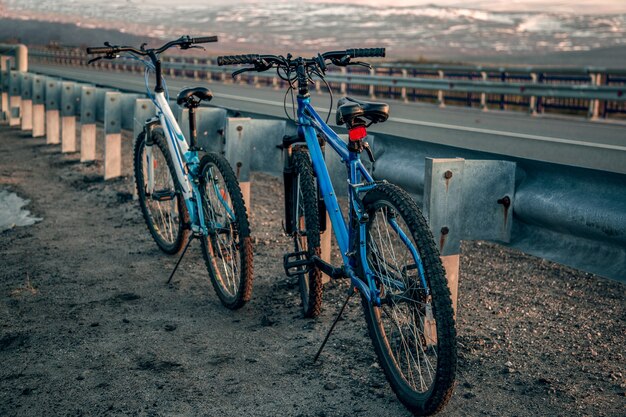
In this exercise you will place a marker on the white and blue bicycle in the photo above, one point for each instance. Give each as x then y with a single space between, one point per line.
183 196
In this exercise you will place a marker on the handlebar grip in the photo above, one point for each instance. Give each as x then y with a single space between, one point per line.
366 52
101 50
238 59
204 39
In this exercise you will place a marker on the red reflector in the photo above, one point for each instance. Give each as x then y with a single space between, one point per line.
357 133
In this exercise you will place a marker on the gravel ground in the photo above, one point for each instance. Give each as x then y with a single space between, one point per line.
88 326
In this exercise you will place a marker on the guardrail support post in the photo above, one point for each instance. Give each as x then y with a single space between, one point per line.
532 104
443 187
4 88
403 95
87 124
483 96
594 105
15 99
68 118
53 103
440 97
237 152
112 135
372 88
26 105
39 110
343 88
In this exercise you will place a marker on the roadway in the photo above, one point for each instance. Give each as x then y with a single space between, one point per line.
562 140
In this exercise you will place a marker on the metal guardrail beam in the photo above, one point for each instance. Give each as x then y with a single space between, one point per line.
587 91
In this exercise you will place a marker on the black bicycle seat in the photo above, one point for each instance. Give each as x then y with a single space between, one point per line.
191 97
349 108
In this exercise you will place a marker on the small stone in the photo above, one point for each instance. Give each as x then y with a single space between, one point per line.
125 320
95 324
330 386
469 395
169 327
80 378
508 364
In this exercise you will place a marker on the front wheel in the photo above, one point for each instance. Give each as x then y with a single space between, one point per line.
413 328
227 249
159 193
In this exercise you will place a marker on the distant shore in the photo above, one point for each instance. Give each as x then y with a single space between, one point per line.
43 33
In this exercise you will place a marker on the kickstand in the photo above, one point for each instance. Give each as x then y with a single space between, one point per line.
181 258
345 303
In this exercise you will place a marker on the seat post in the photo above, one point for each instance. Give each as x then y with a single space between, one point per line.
193 133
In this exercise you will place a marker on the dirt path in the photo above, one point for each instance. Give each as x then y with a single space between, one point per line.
88 327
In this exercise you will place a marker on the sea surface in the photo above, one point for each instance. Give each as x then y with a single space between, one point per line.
406 30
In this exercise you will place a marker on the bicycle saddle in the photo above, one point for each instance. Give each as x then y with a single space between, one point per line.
349 108
191 97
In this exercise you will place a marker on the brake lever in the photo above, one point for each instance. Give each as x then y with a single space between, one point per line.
361 64
92 60
197 47
240 71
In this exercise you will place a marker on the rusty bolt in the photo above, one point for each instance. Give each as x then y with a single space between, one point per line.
505 201
239 128
445 230
447 175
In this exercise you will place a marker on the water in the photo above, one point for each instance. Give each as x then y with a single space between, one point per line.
11 212
476 28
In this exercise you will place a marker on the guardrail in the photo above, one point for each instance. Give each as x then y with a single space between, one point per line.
571 215
592 91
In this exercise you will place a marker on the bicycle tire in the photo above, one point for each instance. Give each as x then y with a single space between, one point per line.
402 355
306 215
173 231
230 264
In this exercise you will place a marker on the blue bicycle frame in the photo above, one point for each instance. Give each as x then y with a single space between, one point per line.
360 181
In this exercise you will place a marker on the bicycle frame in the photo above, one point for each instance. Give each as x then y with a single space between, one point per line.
186 162
360 181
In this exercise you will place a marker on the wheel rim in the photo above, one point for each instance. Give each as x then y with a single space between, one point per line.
164 215
405 318
223 242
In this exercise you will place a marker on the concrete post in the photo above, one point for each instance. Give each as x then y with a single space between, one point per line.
343 89
53 104
403 95
443 187
4 89
68 118
532 104
112 135
39 110
440 97
26 105
483 96
594 105
238 155
88 124
372 89
15 99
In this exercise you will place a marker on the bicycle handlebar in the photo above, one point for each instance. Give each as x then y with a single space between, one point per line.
265 62
184 42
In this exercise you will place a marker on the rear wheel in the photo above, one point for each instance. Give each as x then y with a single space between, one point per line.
227 250
159 193
306 235
413 329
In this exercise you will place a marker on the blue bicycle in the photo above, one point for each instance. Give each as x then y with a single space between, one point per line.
387 248
183 196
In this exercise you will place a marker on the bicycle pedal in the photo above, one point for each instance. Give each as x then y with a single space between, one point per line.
296 263
163 195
